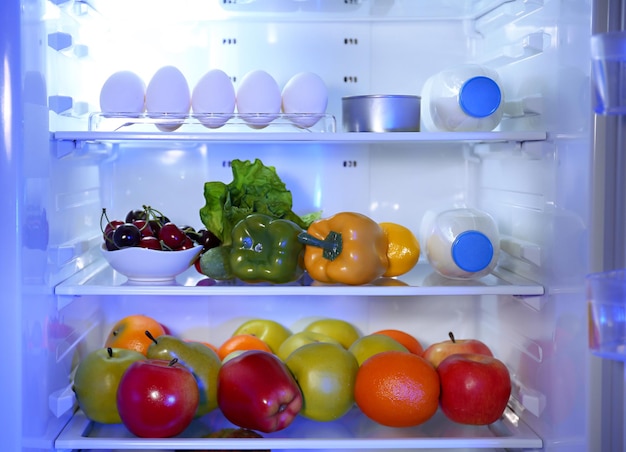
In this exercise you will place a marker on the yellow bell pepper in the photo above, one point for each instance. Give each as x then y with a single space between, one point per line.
347 248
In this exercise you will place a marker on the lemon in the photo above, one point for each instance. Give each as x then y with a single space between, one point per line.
403 249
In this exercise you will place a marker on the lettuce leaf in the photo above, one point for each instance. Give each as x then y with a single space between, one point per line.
255 188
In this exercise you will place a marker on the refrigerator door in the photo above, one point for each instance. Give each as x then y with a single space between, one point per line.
608 242
11 155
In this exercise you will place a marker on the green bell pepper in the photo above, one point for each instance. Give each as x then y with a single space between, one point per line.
264 249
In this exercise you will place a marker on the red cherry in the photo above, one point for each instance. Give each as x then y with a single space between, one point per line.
172 236
208 240
150 242
144 227
187 244
112 226
109 243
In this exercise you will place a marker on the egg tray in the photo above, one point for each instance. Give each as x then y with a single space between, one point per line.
214 122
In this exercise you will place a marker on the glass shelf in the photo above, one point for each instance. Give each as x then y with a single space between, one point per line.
100 279
353 431
305 137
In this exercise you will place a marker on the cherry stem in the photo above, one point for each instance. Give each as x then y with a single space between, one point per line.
172 362
151 212
451 336
106 217
164 247
110 352
103 215
151 337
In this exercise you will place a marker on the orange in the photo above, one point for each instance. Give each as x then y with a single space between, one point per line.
397 389
130 333
403 249
241 342
411 344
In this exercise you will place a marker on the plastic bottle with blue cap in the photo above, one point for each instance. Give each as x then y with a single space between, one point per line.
462 243
465 98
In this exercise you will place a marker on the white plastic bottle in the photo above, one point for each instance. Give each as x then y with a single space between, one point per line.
464 98
461 243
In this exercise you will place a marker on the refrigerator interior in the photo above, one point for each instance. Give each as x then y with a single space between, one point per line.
531 174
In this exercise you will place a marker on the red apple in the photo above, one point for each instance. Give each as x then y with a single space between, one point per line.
157 398
437 352
475 388
230 432
256 390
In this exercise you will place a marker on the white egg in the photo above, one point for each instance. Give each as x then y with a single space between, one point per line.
123 92
213 98
168 94
305 97
258 98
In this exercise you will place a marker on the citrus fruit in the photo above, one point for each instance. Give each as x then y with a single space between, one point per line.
130 333
397 389
241 342
403 249
410 342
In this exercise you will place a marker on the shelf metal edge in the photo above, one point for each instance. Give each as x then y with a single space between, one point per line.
321 137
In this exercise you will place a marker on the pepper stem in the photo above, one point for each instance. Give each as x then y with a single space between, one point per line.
331 245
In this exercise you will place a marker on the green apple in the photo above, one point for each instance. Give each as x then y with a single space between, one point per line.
299 339
199 359
269 331
96 380
326 374
370 345
232 355
340 330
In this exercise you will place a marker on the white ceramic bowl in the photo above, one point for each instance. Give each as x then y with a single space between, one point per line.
146 265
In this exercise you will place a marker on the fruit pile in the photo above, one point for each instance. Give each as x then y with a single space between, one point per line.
265 375
149 228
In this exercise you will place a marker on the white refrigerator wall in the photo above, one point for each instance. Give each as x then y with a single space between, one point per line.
535 190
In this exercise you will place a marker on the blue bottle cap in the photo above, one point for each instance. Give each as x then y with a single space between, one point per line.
480 97
472 251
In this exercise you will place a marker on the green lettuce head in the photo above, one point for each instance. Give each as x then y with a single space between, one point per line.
255 188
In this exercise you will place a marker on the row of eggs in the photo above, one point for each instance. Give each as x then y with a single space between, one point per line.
258 99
